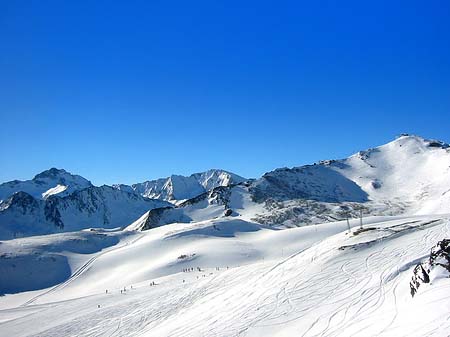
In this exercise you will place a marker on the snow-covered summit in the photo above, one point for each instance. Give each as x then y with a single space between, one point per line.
409 169
412 169
50 182
178 187
215 177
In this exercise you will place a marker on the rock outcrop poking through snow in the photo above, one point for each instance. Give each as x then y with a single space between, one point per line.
437 266
313 182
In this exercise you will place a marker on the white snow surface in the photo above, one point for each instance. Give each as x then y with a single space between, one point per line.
54 190
407 169
253 281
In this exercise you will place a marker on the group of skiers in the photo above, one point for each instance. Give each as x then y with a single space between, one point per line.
185 270
152 283
190 269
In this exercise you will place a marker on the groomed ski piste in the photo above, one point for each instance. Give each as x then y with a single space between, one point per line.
231 277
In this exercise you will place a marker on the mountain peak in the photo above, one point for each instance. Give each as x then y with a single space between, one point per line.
179 187
53 181
51 173
406 138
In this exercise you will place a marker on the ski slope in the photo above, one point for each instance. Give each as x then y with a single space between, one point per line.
253 281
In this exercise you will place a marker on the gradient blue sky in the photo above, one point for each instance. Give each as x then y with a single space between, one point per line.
124 91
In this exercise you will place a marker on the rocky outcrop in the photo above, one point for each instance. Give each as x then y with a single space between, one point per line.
313 182
154 218
437 265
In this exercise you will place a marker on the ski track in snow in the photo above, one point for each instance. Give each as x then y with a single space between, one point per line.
82 269
319 291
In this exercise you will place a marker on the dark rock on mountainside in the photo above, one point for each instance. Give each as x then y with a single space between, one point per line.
153 218
313 182
439 258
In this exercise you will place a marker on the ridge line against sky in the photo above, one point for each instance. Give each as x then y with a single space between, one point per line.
122 92
249 177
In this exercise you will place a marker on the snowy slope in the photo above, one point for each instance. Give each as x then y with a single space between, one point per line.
411 169
42 261
51 182
253 281
410 175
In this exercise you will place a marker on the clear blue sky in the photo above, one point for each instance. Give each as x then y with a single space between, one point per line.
123 91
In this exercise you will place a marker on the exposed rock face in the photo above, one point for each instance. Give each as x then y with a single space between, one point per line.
437 265
22 202
440 255
420 275
154 217
313 182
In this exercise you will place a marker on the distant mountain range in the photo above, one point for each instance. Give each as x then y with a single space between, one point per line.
409 175
176 187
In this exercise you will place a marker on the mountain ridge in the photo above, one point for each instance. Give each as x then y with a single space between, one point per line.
409 175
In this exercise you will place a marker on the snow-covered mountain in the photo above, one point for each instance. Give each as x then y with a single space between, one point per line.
178 188
234 257
51 182
409 175
106 207
410 168
56 200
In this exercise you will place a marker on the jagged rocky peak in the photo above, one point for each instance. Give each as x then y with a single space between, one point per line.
216 177
178 187
61 176
50 173
123 187
47 183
